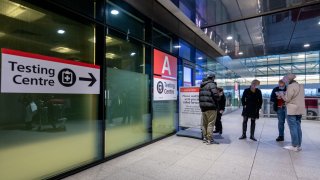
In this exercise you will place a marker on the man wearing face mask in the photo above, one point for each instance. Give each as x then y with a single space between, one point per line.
251 102
279 107
295 103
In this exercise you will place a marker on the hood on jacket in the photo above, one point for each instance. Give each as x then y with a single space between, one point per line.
206 82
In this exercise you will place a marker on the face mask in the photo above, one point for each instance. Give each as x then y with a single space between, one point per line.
282 88
257 87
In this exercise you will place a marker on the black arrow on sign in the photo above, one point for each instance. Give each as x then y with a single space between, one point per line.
92 79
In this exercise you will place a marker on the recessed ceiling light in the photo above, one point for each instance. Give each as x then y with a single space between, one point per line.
200 57
229 38
319 22
132 54
177 46
240 53
306 45
61 31
114 12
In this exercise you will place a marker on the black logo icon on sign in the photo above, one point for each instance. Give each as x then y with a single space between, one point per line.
67 77
160 87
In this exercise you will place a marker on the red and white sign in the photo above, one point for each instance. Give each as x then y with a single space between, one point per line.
23 72
189 109
165 76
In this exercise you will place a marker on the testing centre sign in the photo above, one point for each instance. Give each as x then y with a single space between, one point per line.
23 72
189 109
165 76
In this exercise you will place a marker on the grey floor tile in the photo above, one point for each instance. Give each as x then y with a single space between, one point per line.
186 158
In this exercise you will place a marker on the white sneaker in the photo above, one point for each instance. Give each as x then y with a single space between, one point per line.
291 148
299 148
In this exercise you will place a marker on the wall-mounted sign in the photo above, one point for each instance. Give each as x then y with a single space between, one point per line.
23 72
189 109
165 76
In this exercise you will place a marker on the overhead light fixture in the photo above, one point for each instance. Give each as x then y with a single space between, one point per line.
64 50
2 34
319 22
114 12
132 54
229 38
306 45
17 11
93 40
110 55
177 46
301 56
240 53
61 31
200 57
108 39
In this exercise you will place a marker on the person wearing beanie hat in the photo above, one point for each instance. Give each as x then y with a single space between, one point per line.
252 103
295 103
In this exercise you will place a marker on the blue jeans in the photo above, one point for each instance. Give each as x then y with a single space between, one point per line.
282 113
294 122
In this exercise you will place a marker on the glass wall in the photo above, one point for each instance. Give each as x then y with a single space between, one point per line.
127 95
270 69
40 133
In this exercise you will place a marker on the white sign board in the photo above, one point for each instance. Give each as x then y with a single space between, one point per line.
164 89
23 72
189 109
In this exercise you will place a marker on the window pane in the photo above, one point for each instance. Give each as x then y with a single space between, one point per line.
128 117
40 133
124 21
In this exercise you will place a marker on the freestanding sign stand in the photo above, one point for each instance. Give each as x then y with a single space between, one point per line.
189 113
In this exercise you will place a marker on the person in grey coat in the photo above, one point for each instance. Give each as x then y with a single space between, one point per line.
208 100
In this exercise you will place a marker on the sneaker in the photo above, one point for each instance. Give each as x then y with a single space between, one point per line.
204 140
280 138
291 148
212 142
299 148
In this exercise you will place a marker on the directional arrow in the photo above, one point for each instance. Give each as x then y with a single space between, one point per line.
92 79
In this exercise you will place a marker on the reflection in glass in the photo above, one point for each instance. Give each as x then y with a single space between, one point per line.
40 133
128 118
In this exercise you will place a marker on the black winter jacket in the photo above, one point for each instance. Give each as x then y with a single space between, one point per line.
274 98
222 102
252 103
208 96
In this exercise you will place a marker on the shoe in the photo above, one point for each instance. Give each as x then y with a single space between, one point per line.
204 140
220 132
280 138
243 137
253 138
216 131
291 148
299 148
212 142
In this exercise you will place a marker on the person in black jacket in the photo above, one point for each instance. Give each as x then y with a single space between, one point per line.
222 105
208 97
279 106
251 102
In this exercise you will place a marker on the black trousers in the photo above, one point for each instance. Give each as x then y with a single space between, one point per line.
252 127
218 123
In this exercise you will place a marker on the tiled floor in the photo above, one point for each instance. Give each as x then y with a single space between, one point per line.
186 158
